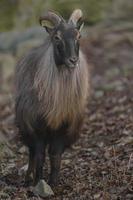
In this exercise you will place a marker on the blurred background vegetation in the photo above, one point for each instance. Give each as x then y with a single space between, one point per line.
20 14
24 13
20 30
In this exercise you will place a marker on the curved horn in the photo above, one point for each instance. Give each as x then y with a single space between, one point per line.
76 16
54 18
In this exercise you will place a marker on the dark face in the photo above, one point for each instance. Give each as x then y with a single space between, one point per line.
65 41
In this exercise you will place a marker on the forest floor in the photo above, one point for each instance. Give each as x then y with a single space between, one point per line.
100 164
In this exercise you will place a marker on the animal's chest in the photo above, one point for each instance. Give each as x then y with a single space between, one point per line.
64 99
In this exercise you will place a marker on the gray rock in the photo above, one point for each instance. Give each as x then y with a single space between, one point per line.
43 189
8 38
22 150
13 38
24 47
7 64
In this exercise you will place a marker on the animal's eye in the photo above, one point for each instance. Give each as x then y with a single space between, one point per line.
57 38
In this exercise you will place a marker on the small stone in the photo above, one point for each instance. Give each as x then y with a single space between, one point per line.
94 153
107 155
11 165
96 196
125 140
66 161
23 169
43 189
22 150
99 94
100 144
103 172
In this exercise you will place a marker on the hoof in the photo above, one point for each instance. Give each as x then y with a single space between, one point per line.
53 182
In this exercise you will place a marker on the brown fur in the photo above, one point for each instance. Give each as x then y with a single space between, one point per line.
50 103
62 92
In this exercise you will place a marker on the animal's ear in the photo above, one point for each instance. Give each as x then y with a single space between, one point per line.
48 25
50 20
76 17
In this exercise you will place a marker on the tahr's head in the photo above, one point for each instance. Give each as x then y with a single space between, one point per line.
65 36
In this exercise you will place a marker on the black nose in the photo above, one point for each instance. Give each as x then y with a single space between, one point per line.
73 60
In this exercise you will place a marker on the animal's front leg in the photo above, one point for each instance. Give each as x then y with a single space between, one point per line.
39 161
56 149
31 167
55 162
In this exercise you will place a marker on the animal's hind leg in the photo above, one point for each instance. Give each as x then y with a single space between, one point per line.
56 148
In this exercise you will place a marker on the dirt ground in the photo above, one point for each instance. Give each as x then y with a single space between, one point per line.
100 164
